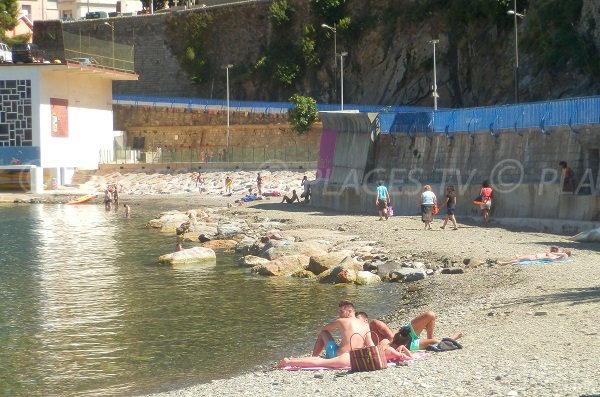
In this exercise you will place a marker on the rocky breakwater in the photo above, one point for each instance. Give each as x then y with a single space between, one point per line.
273 247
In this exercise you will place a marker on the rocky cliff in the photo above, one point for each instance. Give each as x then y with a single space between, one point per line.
279 48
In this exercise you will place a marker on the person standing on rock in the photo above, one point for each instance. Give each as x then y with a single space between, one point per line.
486 194
259 184
450 203
382 200
428 200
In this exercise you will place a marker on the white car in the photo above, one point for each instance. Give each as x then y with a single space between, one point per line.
5 53
85 61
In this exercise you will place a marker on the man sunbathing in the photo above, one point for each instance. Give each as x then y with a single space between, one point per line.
337 356
408 335
398 353
554 254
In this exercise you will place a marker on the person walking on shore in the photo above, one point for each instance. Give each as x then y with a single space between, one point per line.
450 203
428 200
486 194
382 200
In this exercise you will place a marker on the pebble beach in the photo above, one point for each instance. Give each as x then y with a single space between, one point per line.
528 330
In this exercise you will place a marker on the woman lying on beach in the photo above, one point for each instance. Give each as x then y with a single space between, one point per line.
392 353
554 254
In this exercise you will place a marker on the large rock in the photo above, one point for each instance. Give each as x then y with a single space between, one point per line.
320 263
346 276
331 276
198 255
245 245
168 221
307 248
407 274
251 261
228 228
283 266
386 268
587 236
225 245
364 278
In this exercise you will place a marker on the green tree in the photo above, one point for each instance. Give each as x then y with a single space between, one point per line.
9 10
279 12
303 113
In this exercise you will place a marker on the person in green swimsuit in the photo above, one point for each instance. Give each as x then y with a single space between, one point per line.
408 335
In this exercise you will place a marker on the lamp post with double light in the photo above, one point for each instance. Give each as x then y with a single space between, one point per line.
435 94
342 55
112 30
333 29
515 14
4 16
227 67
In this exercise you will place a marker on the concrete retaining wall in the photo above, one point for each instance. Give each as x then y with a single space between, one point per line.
522 167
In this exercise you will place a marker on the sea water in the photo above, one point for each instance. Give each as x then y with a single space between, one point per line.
86 310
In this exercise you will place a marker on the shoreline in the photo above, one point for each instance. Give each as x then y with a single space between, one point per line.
510 316
529 330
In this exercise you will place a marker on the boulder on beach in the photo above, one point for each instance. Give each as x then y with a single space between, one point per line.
363 278
331 276
198 255
308 248
320 263
251 261
283 266
224 245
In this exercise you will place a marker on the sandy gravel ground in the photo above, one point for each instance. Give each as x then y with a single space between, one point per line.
529 330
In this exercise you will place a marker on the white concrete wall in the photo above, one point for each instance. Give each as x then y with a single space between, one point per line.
90 119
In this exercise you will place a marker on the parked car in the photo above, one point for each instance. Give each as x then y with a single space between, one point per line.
96 15
27 53
85 61
5 53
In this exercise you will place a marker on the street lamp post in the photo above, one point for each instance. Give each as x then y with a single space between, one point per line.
4 15
335 54
342 55
227 67
515 14
435 94
112 30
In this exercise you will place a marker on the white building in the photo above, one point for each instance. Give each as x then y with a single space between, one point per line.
37 10
54 119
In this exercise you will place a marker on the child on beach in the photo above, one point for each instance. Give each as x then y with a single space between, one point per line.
228 183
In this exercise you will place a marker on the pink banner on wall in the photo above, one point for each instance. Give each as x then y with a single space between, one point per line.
326 151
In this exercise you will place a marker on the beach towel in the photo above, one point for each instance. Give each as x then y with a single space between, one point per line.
391 363
543 261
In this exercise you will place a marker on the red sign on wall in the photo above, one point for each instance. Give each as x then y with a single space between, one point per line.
60 120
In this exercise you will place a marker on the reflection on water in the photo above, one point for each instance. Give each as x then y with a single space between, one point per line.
86 310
